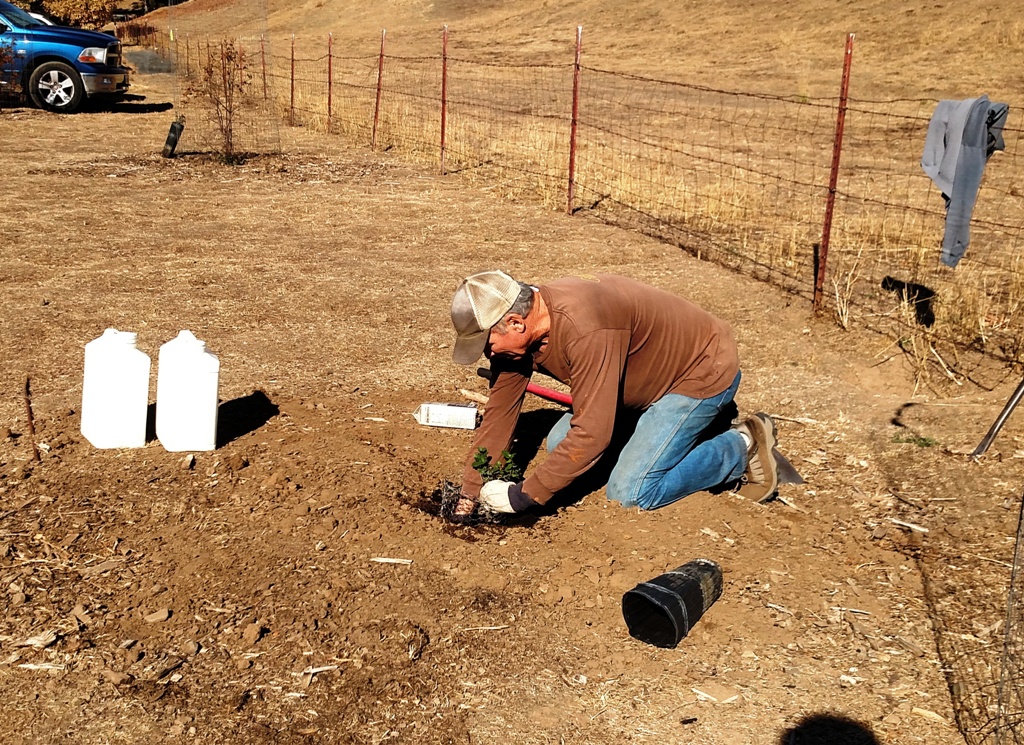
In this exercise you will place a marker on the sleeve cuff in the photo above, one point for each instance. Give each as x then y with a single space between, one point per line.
518 499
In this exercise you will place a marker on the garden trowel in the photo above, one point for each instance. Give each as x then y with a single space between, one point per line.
787 473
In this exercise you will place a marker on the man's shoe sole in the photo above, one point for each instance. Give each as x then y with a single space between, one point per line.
764 434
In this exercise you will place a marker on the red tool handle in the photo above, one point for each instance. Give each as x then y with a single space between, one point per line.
537 390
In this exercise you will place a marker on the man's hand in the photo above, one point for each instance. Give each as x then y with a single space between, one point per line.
496 496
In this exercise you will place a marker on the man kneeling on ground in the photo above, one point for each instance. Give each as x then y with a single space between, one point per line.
620 346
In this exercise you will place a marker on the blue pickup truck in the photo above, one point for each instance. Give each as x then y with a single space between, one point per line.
58 67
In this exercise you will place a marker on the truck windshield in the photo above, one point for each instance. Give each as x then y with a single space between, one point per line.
17 16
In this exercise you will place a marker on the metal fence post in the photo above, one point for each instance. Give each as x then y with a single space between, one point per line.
291 104
330 79
821 257
380 80
575 119
444 93
263 65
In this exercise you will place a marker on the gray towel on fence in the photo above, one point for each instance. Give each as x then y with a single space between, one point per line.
962 135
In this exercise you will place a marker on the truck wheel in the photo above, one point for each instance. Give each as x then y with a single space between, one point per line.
55 86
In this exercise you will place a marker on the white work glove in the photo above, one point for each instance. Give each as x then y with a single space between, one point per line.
495 496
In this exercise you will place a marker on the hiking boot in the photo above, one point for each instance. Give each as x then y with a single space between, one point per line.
760 481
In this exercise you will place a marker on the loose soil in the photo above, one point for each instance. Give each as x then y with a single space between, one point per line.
236 595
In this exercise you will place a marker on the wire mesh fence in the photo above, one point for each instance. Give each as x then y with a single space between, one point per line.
1009 719
740 178
732 177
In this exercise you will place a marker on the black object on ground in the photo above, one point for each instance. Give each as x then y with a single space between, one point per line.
662 610
920 298
172 137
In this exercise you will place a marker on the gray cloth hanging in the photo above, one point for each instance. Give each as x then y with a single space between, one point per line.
962 135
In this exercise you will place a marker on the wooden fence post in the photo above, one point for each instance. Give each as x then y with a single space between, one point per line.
575 119
380 80
444 93
821 256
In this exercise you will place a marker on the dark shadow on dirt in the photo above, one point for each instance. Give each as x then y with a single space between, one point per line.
828 729
131 107
130 103
897 418
240 416
151 423
597 477
206 156
531 431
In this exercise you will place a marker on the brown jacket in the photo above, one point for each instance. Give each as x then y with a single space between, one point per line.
616 343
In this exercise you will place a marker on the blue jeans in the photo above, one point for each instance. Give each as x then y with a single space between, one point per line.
669 455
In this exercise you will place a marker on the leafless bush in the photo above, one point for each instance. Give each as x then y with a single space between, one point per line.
223 84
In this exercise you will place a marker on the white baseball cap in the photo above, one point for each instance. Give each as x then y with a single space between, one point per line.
481 301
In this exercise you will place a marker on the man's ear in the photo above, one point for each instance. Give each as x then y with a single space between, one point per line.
515 322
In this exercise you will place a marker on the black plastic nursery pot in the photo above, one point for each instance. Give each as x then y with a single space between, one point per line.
662 610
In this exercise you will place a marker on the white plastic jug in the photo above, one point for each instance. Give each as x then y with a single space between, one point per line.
186 395
115 391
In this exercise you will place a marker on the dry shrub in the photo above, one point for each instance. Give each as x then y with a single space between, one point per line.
222 83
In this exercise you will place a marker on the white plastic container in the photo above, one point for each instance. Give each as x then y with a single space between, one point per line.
115 391
186 395
460 416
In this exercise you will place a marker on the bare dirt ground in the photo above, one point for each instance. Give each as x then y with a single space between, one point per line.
233 596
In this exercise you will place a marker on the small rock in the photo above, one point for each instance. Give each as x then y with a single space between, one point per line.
18 598
236 462
252 634
158 616
273 480
188 462
300 509
5 433
243 663
190 648
116 678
